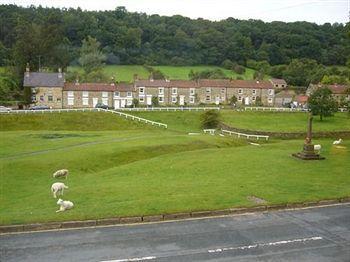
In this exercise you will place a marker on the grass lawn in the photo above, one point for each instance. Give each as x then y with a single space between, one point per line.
181 72
119 168
283 122
123 73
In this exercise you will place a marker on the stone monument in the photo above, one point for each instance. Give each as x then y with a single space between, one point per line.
308 152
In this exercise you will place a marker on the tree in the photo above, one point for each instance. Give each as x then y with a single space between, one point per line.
135 102
91 57
322 103
155 101
210 119
258 101
233 100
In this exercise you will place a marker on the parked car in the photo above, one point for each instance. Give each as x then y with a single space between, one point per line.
42 107
5 109
103 106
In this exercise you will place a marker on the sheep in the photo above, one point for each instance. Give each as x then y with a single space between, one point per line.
317 148
61 173
338 142
64 205
57 188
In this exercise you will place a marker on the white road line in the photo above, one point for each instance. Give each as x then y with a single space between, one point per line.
283 242
130 259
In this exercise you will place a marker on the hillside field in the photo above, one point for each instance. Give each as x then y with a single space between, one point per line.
126 72
129 169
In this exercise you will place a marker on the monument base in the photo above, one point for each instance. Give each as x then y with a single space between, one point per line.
308 153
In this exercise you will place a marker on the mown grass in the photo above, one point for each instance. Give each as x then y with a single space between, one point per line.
283 122
164 173
80 121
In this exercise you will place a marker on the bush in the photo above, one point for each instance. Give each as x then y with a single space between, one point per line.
227 64
155 101
135 102
210 119
239 69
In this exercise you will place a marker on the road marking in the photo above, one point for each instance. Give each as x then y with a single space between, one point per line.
130 259
283 242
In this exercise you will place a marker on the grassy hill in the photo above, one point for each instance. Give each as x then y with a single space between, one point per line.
126 72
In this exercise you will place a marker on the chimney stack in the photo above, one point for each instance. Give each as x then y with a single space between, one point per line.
77 81
151 77
27 70
60 72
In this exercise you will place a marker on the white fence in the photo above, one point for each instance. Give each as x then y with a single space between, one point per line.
279 109
248 136
127 116
168 109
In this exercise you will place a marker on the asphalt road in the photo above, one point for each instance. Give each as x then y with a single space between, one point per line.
317 234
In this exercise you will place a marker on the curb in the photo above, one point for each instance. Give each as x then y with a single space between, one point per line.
164 217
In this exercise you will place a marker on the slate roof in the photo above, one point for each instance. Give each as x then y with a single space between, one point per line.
278 81
40 79
124 87
262 84
89 87
214 82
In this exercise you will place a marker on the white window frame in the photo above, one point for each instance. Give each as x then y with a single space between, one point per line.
240 91
128 94
253 98
116 94
270 92
161 99
85 93
142 90
269 100
161 90
70 93
174 91
70 101
48 98
192 91
173 99
105 94
142 99
192 99
222 90
254 91
207 98
85 101
240 98
208 90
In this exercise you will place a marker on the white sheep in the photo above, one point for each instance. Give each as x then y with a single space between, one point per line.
61 173
317 148
57 188
64 205
338 142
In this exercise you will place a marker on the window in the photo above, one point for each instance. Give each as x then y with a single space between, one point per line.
85 94
276 85
174 91
282 85
70 94
160 99
240 91
254 91
270 92
85 98
207 98
253 98
129 94
49 98
192 91
161 90
208 90
142 99
41 98
239 98
222 90
33 98
116 94
70 101
142 90
270 100
58 99
192 99
104 94
173 99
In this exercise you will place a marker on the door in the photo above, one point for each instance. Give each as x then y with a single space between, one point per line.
182 100
149 100
116 103
217 100
94 101
122 103
246 101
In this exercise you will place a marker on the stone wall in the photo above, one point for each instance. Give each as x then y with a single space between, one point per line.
48 96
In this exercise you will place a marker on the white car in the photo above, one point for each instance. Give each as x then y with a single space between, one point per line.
5 109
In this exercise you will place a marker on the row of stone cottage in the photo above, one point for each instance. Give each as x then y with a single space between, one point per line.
50 89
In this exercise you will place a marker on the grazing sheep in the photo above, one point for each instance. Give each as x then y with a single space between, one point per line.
64 205
338 142
57 188
317 148
61 173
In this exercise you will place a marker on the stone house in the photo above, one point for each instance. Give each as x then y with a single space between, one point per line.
284 98
46 87
339 92
278 83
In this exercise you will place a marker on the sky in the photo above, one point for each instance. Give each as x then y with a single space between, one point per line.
318 11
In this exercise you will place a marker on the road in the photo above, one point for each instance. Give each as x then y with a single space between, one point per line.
316 234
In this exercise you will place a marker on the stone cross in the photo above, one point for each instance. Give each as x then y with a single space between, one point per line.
309 130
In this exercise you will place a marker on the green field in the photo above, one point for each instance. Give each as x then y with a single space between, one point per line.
126 72
283 122
133 169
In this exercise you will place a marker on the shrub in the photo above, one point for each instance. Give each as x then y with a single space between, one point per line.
239 69
210 119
